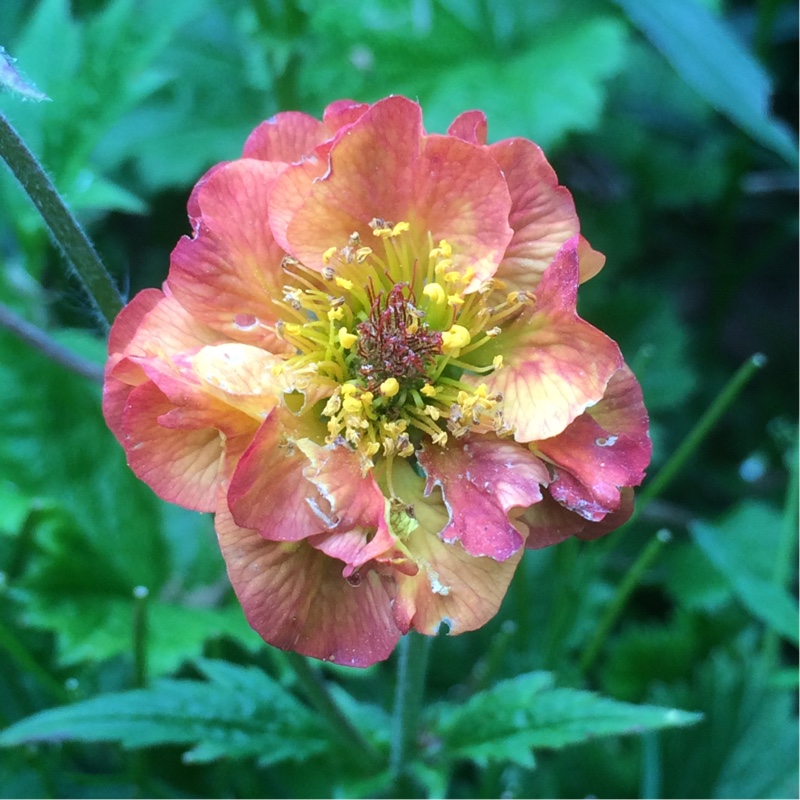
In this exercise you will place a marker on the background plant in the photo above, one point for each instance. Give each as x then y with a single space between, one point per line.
666 125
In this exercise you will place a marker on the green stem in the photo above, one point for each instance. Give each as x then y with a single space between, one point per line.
63 226
411 666
702 428
37 338
785 558
140 595
27 663
316 689
624 591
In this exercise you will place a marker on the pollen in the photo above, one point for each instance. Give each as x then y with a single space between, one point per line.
346 339
390 387
456 338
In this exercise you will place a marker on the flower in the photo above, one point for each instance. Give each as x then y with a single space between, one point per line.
367 362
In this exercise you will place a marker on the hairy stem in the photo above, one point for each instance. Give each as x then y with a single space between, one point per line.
64 228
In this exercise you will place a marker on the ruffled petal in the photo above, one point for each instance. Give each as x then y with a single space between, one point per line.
555 365
603 450
382 166
268 491
228 274
296 598
287 137
341 113
452 588
482 479
543 213
180 465
471 126
549 522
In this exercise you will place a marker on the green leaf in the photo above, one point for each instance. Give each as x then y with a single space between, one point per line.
508 721
239 713
707 55
742 548
552 88
13 81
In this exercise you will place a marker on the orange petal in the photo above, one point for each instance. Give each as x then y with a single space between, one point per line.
543 213
452 588
482 478
341 113
591 261
384 166
296 598
268 492
287 137
555 365
228 273
181 466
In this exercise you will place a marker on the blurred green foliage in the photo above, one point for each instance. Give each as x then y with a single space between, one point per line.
670 127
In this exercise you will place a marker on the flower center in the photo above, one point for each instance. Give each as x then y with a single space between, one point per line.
393 342
392 339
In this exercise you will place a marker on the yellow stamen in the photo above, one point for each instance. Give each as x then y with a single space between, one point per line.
435 293
390 387
328 255
347 339
454 339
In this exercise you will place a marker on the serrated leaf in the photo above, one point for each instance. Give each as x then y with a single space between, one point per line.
709 58
245 716
740 548
517 716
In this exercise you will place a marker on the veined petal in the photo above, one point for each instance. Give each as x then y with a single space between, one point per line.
383 166
603 450
341 113
287 137
555 365
452 588
482 479
268 491
471 126
296 598
229 272
543 213
179 465
130 319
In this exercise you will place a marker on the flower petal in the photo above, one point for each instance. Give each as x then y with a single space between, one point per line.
268 492
341 113
543 213
287 137
228 273
452 587
471 126
482 478
604 449
555 365
181 466
384 166
296 598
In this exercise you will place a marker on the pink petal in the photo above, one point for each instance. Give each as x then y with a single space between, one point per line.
543 213
287 137
555 364
180 466
452 587
228 274
604 449
470 126
268 492
482 478
130 318
341 113
296 598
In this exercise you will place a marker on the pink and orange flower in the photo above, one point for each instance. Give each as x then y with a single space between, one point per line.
367 362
